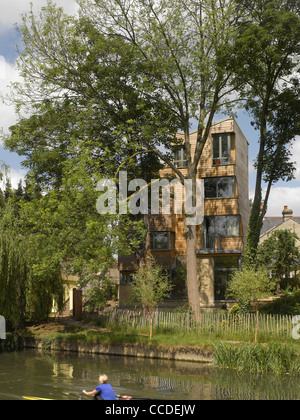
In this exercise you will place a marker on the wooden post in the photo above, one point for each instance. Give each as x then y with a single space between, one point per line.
77 304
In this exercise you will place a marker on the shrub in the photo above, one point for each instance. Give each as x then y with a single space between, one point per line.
287 305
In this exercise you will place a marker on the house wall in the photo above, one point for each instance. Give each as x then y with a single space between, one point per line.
242 176
239 205
287 225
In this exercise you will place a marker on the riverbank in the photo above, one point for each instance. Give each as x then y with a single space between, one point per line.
73 336
67 335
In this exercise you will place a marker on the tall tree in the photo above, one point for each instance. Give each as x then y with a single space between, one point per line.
267 50
13 279
143 69
31 279
185 48
284 126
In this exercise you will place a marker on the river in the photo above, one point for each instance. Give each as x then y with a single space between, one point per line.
62 376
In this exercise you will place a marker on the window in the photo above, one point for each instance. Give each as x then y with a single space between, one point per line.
219 226
178 281
126 277
180 160
221 149
162 241
219 187
224 268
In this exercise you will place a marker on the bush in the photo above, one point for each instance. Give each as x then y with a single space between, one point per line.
287 305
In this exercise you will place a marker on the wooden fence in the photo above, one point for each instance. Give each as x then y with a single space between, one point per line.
215 323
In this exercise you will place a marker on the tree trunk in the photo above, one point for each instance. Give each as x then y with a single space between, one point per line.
151 324
256 323
191 266
255 222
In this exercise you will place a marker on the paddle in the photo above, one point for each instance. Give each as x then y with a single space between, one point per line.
128 397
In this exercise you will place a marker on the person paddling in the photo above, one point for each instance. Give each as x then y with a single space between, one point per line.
102 392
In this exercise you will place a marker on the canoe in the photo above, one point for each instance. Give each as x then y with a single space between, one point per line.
119 397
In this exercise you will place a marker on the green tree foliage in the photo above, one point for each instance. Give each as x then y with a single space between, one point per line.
250 285
124 77
286 305
267 50
31 274
150 287
281 255
13 281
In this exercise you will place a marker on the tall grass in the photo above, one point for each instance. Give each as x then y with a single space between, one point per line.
274 358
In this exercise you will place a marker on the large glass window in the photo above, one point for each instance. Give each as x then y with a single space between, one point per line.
219 187
180 160
162 241
221 149
224 268
223 226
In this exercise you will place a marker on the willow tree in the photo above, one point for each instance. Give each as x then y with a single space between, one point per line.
30 272
13 279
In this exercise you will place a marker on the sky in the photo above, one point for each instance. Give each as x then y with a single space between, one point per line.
282 194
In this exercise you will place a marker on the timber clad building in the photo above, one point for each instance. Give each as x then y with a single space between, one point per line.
221 236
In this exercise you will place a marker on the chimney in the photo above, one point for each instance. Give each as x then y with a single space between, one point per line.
287 214
261 208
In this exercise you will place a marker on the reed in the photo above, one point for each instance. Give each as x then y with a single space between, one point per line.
273 358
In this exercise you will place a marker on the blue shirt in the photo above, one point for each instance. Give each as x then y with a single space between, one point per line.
106 391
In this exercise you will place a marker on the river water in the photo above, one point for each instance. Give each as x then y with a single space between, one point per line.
62 376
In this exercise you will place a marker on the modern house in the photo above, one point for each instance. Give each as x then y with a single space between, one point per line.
223 168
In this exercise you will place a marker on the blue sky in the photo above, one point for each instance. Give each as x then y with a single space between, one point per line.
282 193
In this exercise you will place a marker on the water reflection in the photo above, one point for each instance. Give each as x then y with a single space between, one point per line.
64 375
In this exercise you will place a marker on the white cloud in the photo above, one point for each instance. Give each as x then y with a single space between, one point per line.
15 176
296 156
12 10
284 196
8 74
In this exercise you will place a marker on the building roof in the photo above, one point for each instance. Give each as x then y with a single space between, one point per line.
215 123
270 223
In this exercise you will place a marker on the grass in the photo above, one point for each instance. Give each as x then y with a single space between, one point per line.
274 358
163 337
